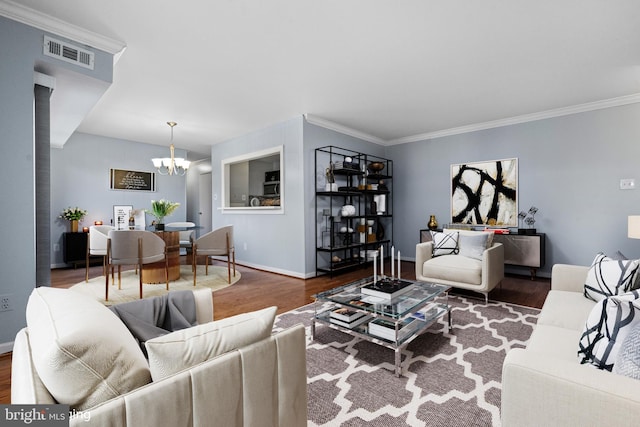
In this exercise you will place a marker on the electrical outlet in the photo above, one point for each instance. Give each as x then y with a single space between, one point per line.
56 247
5 303
627 184
245 246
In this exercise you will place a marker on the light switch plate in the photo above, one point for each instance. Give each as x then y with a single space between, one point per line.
627 184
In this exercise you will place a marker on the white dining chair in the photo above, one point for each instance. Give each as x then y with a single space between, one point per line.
97 246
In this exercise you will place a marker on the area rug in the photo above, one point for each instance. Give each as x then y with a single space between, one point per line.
449 378
216 280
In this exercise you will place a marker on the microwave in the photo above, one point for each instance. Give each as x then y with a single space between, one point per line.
271 188
272 176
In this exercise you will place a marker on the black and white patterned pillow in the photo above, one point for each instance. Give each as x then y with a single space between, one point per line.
444 243
609 322
608 277
628 361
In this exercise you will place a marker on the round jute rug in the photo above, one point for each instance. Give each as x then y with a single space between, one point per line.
95 287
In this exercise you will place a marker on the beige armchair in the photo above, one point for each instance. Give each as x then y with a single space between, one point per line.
134 247
480 274
218 242
97 246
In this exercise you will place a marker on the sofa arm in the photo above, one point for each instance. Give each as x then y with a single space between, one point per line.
424 252
565 277
204 305
539 390
493 266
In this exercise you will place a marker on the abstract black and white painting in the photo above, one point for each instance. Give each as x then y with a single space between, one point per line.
485 193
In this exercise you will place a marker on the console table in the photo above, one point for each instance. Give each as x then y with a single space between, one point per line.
523 250
75 249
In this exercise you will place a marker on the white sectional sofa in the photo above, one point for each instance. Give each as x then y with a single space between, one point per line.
67 345
545 385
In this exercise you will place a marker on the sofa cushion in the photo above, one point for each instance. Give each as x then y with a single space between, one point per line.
455 268
554 341
82 352
185 348
608 324
461 232
608 277
473 246
444 243
628 361
565 309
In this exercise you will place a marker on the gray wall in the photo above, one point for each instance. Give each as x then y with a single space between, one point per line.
270 241
80 177
20 55
569 167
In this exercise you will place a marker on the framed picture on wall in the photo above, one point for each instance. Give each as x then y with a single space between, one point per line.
132 180
485 193
121 215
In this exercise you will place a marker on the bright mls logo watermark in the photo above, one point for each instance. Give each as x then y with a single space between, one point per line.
40 415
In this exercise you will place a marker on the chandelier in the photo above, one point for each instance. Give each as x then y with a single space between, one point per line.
171 165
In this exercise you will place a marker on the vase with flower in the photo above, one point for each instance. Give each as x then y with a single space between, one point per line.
74 216
161 209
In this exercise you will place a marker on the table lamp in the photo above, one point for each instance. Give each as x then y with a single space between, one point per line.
633 227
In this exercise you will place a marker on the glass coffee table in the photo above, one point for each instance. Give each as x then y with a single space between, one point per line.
390 313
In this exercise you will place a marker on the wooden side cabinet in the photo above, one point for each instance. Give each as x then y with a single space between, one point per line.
523 250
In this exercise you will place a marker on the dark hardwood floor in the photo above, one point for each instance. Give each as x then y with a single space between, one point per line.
259 289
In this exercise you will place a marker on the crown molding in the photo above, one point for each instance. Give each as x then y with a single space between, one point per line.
549 114
56 26
327 124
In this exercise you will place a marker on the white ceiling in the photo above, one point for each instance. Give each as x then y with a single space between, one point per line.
393 70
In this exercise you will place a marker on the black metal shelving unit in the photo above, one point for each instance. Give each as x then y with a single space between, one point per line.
340 246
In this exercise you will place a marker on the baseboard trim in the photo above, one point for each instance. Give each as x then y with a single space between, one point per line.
6 347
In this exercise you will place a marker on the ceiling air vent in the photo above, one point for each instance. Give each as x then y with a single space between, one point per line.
68 52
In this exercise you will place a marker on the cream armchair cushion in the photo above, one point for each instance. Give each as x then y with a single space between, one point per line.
82 352
185 348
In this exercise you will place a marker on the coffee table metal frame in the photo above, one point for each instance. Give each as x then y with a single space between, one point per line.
402 311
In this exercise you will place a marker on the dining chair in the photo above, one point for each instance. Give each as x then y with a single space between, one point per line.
218 242
97 246
186 236
134 247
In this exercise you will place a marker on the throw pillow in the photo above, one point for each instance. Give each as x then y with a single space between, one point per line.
82 352
608 277
472 246
185 348
628 361
608 324
444 243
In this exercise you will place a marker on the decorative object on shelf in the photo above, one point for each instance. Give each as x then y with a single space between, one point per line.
348 210
331 179
433 224
171 165
97 222
375 167
380 231
528 218
74 216
161 209
494 202
85 229
381 203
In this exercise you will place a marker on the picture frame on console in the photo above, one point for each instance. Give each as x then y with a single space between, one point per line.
485 193
121 215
